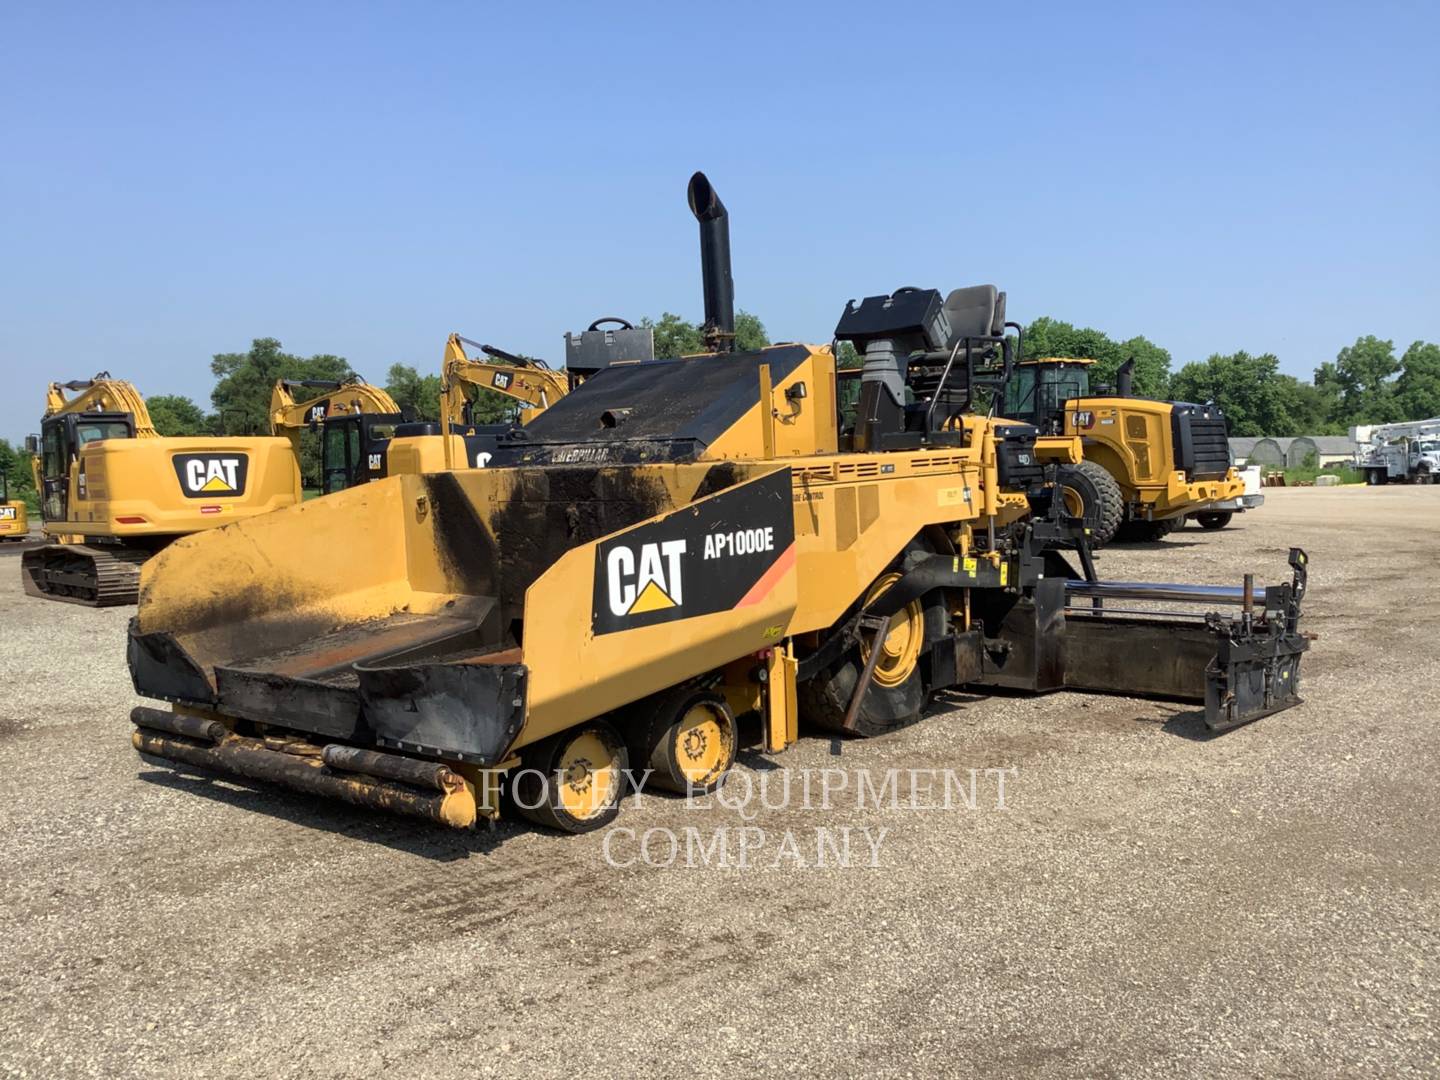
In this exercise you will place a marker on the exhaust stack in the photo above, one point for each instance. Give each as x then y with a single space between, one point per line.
1125 379
719 326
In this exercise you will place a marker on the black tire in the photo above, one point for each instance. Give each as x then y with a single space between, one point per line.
1110 509
825 698
537 796
686 735
1214 519
1374 477
1146 532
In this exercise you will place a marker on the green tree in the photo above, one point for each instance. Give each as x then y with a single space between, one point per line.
175 415
15 464
1363 374
242 392
750 332
675 336
1312 410
1417 391
1052 337
1246 387
416 394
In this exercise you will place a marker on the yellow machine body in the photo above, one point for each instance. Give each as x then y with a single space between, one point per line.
670 546
14 520
142 488
1131 439
113 491
447 563
1168 459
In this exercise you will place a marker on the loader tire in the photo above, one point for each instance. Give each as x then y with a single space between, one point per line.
1146 532
1214 519
897 692
1109 509
573 781
686 735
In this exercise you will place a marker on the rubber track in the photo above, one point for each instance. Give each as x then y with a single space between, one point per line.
113 574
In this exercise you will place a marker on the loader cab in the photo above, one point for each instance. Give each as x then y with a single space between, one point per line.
354 449
1038 390
62 438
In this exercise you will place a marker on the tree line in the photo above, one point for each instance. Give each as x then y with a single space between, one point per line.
1366 383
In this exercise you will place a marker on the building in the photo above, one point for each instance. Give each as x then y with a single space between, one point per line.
1292 453
1324 449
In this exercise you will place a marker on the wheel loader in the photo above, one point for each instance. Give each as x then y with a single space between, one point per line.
1152 462
14 515
674 546
113 492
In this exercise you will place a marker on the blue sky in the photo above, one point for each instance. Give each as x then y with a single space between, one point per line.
365 178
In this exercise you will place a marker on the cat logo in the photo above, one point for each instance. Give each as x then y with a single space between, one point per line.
7 513
725 552
376 462
209 476
317 413
1085 419
501 380
651 583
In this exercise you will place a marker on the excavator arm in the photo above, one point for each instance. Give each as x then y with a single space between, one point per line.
535 386
353 398
101 394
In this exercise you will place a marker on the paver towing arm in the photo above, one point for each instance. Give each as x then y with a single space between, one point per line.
669 546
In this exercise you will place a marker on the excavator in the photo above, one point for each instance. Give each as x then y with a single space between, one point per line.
531 383
113 491
356 420
14 516
674 547
1152 463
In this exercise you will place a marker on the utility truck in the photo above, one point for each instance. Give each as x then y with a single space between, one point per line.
1404 453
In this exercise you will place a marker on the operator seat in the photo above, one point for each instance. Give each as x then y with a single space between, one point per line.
975 312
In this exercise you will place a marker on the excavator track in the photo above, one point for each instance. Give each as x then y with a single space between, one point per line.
83 574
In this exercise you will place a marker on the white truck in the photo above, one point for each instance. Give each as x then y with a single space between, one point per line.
1406 453
1218 514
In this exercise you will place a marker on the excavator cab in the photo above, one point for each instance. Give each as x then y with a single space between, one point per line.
355 420
353 450
61 439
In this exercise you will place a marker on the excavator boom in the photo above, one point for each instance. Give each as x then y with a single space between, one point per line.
102 394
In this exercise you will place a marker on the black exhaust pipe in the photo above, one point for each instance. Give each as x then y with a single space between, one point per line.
1125 379
719 326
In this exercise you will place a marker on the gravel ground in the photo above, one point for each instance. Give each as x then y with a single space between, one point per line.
1149 901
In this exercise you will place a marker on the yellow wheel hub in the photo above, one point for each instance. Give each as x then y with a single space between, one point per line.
588 776
703 741
1074 503
900 651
